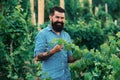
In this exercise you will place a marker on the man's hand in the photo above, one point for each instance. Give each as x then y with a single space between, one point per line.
71 59
57 48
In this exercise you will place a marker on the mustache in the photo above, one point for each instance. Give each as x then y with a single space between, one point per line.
59 23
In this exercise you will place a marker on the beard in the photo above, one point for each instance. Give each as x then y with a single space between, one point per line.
57 26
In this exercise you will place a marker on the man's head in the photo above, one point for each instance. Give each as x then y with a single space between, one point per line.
57 17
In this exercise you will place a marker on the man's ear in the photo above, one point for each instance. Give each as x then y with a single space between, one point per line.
50 17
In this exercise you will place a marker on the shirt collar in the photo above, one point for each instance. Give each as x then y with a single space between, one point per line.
49 27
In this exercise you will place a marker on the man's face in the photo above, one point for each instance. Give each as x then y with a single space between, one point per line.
57 21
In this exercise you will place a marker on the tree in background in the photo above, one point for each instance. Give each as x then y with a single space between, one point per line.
16 41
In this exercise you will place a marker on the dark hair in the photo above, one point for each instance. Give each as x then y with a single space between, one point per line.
56 8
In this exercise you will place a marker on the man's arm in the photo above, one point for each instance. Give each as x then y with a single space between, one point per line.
46 55
71 59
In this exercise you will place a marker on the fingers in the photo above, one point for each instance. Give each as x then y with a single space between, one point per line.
62 46
58 48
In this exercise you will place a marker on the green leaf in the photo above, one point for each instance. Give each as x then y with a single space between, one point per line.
88 76
39 73
105 48
118 34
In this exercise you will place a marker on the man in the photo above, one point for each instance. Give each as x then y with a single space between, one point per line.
54 58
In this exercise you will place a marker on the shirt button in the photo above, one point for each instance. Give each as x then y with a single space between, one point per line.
63 70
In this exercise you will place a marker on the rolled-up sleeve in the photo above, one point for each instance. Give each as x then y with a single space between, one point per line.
40 42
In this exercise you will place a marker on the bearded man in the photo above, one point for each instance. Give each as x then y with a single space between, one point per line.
54 58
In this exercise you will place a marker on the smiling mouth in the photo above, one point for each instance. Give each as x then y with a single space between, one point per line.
58 23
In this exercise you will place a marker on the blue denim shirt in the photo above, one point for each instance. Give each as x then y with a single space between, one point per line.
55 66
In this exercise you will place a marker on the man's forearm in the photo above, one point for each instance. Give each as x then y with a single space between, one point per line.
44 55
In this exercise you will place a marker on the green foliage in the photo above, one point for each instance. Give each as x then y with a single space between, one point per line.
92 34
113 8
25 5
94 64
75 11
16 41
48 5
89 34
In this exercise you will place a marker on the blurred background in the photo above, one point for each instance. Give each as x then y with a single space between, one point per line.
94 26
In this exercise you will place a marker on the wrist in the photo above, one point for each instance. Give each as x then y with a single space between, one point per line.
48 52
52 51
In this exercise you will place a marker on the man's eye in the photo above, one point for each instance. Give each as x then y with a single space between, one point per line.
57 17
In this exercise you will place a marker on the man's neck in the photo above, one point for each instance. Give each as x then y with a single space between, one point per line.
58 33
